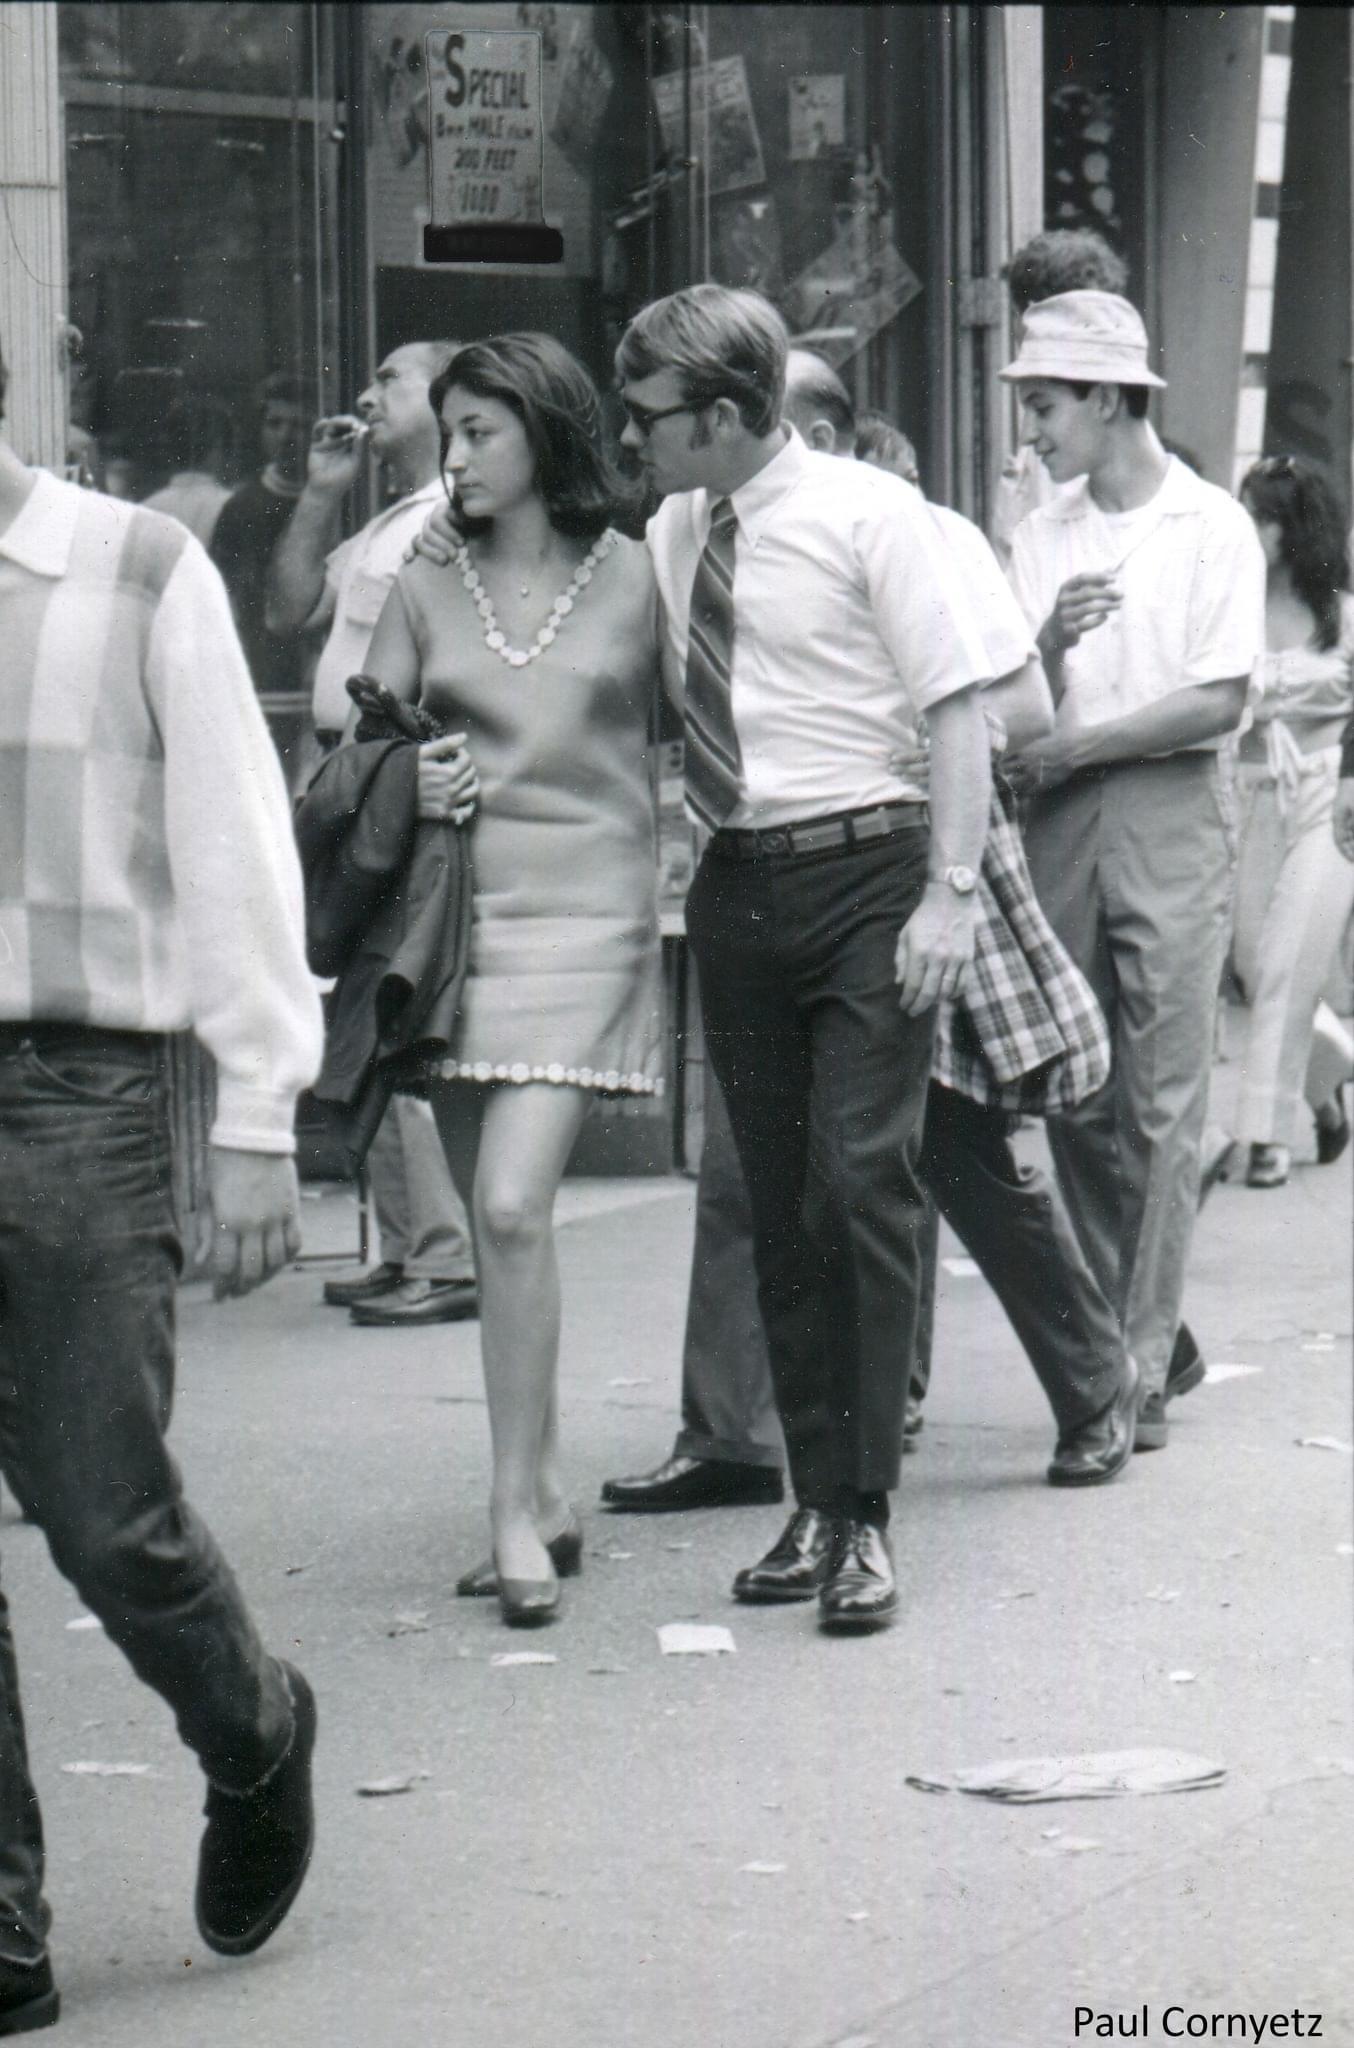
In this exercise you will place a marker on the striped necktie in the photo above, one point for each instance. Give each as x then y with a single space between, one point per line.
714 761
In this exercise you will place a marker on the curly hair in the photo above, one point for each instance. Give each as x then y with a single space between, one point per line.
1312 541
559 407
1063 260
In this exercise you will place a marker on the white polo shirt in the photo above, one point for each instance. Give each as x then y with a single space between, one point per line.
1192 573
360 572
849 622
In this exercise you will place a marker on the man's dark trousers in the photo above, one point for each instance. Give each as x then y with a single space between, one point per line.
728 1405
88 1262
796 958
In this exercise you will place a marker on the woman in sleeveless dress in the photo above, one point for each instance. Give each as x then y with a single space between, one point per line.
538 649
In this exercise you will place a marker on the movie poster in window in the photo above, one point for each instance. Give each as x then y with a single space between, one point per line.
585 86
735 147
860 282
817 115
745 243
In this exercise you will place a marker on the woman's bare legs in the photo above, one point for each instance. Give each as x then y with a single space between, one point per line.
508 1148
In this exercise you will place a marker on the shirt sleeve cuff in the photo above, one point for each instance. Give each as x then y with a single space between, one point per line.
254 1119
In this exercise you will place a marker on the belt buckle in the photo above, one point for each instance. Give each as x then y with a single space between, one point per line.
776 840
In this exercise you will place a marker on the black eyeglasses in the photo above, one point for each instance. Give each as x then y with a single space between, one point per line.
645 418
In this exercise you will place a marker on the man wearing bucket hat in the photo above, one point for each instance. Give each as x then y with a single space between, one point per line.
1145 588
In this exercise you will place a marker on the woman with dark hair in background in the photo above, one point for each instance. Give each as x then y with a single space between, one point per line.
538 650
1294 890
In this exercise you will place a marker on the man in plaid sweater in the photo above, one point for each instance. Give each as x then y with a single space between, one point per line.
147 882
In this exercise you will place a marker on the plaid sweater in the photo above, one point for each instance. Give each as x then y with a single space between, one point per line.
148 878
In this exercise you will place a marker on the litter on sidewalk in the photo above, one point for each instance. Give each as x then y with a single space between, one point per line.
694 1639
1101 1774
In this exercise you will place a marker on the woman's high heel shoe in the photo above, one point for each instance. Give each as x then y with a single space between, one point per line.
527 1603
565 1552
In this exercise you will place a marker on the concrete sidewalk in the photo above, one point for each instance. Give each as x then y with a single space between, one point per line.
654 1852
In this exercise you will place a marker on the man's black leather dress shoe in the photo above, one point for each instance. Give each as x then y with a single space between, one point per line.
416 1302
1099 1449
859 1591
28 1998
695 1483
795 1565
382 1279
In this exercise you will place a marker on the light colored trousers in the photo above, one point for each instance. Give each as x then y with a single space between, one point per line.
1133 865
1294 892
419 1215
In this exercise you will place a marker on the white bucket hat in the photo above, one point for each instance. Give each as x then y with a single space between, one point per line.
1084 338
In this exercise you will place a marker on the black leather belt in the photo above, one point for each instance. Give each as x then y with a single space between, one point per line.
17 1035
817 835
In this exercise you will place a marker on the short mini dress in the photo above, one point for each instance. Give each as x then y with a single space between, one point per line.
564 981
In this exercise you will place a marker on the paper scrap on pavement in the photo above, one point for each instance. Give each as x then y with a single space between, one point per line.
1162 1593
1098 1774
414 1623
503 1658
630 1383
695 1639
97 1770
387 1788
618 1556
1065 1845
1325 1443
1180 1678
856 1918
962 1269
1214 1375
762 1869
85 1621
686 1545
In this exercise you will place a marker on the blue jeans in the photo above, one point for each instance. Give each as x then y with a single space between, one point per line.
88 1262
802 1023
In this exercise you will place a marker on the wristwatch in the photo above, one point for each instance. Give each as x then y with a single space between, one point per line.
961 879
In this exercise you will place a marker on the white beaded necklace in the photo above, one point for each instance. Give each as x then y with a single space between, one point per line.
494 636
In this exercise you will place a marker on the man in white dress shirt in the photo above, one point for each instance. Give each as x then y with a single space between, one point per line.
1145 588
837 752
427 1269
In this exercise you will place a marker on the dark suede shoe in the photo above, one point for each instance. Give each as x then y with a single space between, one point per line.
28 1998
695 1483
1186 1369
859 1591
796 1564
417 1302
382 1279
1099 1449
256 1847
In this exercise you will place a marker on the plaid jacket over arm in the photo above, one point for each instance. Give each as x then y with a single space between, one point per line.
1027 1035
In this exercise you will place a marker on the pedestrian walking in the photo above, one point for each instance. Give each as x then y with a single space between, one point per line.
1145 587
1009 1216
317 582
1294 891
812 619
156 887
538 648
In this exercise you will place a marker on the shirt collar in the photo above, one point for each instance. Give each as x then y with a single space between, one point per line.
754 501
1178 493
39 537
430 493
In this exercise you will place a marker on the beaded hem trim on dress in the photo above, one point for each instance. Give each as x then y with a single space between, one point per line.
608 1082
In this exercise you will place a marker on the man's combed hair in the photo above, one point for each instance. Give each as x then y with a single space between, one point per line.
1064 260
558 405
720 342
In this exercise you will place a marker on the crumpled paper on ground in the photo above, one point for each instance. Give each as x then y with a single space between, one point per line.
694 1639
1099 1774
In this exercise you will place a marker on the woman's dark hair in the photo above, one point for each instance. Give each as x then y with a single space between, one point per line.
558 405
1312 541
